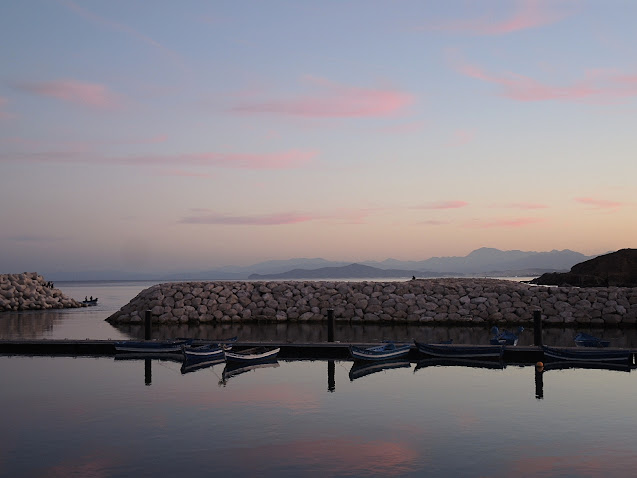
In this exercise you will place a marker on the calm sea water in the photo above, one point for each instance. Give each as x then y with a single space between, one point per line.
116 418
106 417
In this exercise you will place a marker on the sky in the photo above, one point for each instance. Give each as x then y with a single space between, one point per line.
168 136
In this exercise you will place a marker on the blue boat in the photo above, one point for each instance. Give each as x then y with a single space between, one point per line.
386 351
585 340
588 354
504 337
460 351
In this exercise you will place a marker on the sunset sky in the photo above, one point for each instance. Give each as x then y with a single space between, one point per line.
165 136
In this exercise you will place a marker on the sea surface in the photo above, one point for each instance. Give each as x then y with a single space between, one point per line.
115 417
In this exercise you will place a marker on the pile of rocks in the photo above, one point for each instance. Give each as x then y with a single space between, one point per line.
29 291
471 301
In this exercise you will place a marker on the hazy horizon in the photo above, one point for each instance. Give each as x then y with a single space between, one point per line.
195 135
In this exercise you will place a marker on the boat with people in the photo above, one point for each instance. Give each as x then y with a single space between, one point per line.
252 354
460 351
588 354
386 351
586 340
89 302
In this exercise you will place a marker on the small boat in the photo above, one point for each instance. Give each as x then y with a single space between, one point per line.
150 346
588 354
504 337
460 351
585 340
89 302
386 351
360 369
254 354
201 352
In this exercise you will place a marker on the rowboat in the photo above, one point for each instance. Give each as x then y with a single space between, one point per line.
150 346
254 354
588 354
201 352
360 369
585 340
386 351
89 303
504 337
460 351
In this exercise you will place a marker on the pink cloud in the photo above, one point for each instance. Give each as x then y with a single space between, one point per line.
333 101
526 14
599 203
444 205
264 220
600 86
404 128
515 222
93 95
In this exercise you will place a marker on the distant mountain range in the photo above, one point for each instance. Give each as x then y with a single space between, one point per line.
484 262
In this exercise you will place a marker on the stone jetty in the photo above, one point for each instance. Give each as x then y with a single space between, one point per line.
29 291
428 301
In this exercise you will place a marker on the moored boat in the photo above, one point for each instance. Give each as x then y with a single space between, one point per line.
254 354
200 352
505 337
588 354
586 340
387 351
460 351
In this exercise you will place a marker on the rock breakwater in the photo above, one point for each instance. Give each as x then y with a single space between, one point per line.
29 291
444 301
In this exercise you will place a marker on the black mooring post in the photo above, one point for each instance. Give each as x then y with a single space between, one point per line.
147 324
537 327
330 325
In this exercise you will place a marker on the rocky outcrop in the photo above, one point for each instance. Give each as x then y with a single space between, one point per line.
617 269
443 301
29 291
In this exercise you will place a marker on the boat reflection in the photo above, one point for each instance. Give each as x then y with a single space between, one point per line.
459 362
360 369
193 365
234 369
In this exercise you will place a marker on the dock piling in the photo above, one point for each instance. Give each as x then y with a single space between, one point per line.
330 325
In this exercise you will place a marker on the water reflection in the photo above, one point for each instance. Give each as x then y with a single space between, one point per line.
361 369
234 369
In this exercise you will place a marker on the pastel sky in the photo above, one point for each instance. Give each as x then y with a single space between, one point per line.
168 136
